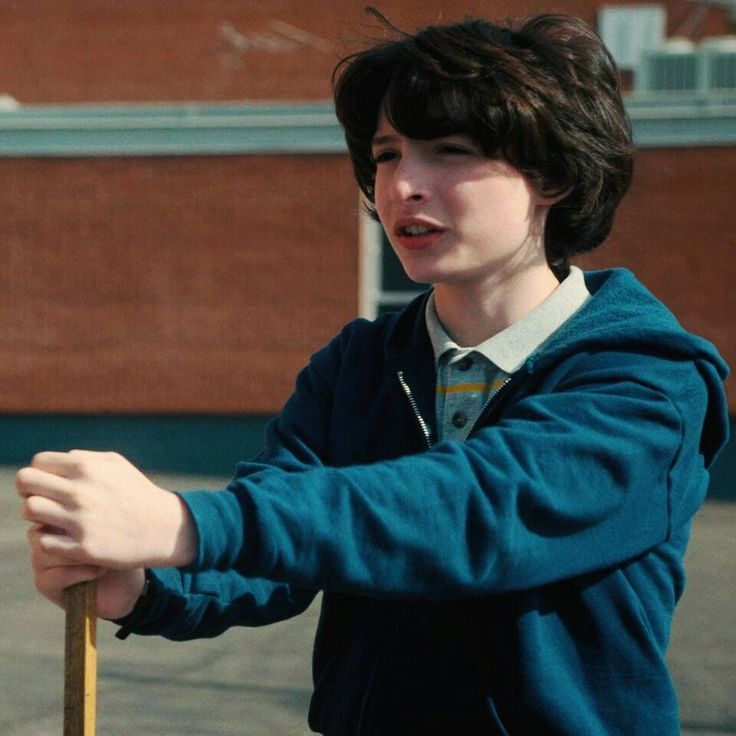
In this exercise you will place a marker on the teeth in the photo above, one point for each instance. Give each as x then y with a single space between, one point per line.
417 229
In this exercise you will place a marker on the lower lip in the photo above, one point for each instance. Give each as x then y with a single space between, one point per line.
419 242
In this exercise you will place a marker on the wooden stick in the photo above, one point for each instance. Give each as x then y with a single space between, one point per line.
80 660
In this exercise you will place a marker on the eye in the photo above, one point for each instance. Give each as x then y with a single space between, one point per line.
380 157
457 145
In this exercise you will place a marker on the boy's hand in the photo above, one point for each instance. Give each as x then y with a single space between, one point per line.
117 590
96 509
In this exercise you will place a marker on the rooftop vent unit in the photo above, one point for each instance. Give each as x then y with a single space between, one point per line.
679 66
719 63
673 67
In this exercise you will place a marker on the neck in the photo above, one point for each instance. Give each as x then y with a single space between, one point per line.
472 313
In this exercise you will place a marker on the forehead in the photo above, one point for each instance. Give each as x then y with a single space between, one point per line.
384 129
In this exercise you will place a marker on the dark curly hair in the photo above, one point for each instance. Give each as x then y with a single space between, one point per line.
544 95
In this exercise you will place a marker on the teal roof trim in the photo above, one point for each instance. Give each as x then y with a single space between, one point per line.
190 129
681 120
169 129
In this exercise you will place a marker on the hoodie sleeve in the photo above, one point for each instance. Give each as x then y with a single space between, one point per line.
570 481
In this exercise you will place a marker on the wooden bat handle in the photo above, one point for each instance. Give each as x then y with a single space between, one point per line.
80 660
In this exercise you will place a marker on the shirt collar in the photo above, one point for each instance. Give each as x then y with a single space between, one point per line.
509 348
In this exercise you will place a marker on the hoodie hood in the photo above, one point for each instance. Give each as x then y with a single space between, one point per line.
623 315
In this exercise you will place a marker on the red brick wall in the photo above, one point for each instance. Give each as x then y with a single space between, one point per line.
203 284
675 229
154 285
137 50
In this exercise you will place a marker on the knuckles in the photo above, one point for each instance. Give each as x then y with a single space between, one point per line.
74 463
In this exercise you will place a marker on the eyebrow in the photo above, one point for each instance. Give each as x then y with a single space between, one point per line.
384 139
380 140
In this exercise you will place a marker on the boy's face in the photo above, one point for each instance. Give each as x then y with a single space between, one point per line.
452 214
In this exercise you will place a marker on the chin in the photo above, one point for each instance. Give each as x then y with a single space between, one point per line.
425 273
421 279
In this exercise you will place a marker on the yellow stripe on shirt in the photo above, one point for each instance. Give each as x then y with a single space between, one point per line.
462 388
471 387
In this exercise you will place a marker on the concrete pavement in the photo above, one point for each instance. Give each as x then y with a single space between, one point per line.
256 682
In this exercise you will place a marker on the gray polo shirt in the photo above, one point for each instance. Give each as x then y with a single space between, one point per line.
468 377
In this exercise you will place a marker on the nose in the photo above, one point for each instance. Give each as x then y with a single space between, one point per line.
410 180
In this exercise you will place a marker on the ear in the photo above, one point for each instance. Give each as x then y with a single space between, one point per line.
553 195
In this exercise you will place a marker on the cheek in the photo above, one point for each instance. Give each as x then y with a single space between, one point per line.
506 204
380 201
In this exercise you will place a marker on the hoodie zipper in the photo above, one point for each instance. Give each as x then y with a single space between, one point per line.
423 426
487 405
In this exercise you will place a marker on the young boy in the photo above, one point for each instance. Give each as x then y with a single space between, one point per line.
493 488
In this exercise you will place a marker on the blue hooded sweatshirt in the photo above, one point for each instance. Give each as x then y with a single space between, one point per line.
521 582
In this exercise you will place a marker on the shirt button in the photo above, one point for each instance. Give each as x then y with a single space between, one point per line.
459 419
465 363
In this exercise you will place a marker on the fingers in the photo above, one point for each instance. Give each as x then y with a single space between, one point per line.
51 543
51 582
53 572
33 481
43 511
47 498
41 556
63 464
61 545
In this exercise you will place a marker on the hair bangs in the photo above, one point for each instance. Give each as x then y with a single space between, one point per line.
422 107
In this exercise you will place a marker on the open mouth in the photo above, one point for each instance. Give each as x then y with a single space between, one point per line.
413 231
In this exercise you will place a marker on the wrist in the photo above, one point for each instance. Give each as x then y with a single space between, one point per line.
187 539
175 537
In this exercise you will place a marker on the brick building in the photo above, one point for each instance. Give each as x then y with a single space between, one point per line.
180 229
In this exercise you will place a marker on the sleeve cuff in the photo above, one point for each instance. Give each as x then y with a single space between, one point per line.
140 609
